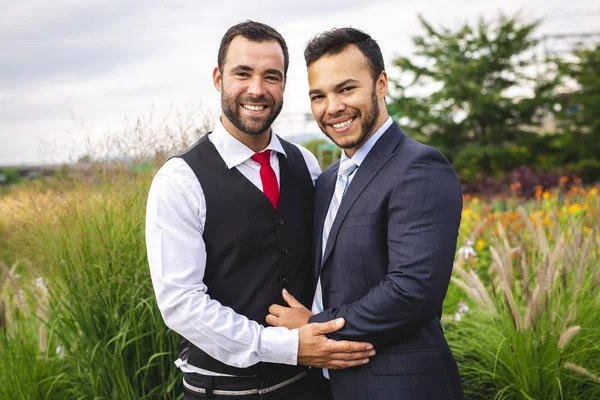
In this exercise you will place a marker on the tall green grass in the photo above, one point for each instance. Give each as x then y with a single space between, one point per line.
534 332
87 242
29 369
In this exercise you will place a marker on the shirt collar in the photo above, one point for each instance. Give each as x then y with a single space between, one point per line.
235 152
364 150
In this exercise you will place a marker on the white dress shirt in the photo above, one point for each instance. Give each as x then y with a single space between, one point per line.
175 218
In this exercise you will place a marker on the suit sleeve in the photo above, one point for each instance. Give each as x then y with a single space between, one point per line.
423 213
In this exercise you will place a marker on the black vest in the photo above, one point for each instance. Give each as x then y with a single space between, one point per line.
253 250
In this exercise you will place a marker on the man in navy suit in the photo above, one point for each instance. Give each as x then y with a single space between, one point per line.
386 224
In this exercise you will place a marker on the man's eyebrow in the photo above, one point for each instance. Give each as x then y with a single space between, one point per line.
275 72
242 68
248 68
336 87
344 83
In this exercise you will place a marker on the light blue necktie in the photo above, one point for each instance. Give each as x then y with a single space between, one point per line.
347 167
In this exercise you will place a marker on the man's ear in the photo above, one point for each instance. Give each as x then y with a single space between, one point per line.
382 85
217 79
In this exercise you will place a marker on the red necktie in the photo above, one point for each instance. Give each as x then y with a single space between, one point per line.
267 176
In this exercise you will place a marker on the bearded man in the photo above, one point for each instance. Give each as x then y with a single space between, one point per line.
228 227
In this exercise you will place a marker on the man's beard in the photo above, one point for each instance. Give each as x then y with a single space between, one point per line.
249 125
367 124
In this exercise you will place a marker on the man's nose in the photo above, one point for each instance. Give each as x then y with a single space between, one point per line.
335 105
256 87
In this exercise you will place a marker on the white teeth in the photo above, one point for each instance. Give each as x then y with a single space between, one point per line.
253 108
342 124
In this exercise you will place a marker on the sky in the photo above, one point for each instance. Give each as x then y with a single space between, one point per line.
76 71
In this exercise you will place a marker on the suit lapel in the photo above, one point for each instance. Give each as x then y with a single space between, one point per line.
379 155
322 200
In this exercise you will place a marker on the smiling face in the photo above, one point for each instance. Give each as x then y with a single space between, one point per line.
251 84
347 105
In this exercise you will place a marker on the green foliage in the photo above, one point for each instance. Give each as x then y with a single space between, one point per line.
588 169
29 366
580 106
324 150
101 311
579 119
533 330
460 96
11 176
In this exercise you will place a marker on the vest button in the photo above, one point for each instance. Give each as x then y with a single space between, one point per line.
285 280
259 381
280 221
284 250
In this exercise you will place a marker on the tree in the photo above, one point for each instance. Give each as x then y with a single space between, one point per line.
475 94
579 117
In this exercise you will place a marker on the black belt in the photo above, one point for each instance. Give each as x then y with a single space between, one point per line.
256 387
233 386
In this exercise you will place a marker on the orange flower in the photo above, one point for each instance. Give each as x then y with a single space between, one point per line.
564 179
577 180
515 186
546 222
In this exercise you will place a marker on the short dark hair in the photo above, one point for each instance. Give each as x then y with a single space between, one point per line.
256 32
336 40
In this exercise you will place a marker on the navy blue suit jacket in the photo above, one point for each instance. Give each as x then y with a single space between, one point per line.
386 269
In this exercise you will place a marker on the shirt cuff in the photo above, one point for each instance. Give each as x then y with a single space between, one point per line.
279 345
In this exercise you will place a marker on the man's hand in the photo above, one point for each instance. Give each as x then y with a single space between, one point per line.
316 350
292 317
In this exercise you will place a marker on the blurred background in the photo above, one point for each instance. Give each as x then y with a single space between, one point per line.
497 86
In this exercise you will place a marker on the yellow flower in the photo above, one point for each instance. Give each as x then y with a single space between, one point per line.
594 191
575 208
587 229
467 212
546 195
475 200
546 222
480 244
